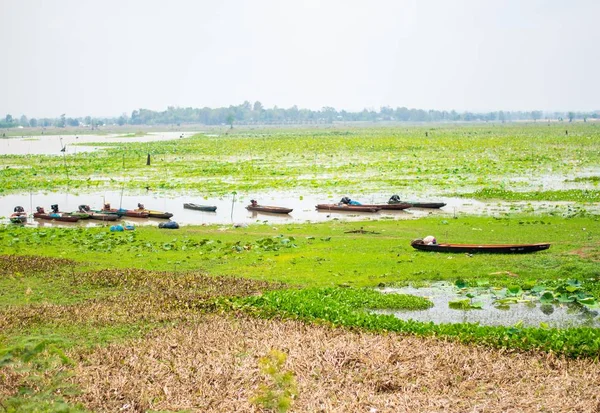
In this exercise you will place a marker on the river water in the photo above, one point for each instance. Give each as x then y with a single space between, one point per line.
232 209
529 314
52 144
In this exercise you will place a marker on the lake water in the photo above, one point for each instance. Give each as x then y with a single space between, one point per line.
232 210
52 144
531 315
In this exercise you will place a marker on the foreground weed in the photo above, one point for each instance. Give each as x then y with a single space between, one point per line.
33 376
278 393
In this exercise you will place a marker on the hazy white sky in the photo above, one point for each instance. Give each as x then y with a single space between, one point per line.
106 57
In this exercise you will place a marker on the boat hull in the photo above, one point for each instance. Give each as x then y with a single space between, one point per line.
50 217
421 204
157 214
346 208
270 209
394 207
123 212
103 217
487 249
18 218
206 208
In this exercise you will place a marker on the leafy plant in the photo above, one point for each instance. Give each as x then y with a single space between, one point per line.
279 391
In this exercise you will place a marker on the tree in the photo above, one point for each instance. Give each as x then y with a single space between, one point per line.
536 114
9 119
23 121
230 119
33 122
571 116
61 123
258 107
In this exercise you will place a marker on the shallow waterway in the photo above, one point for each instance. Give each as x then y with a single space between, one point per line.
52 144
529 314
232 209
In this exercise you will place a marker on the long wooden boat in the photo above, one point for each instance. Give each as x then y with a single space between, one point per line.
395 207
347 208
85 209
102 217
198 207
155 214
416 204
122 212
55 217
474 248
270 209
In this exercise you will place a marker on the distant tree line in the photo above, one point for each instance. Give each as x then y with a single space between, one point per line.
248 114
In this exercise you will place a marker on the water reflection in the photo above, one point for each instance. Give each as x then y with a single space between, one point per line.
53 144
529 314
229 210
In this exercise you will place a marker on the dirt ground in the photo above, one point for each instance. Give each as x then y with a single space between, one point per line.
212 366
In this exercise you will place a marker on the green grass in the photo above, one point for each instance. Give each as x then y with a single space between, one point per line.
317 254
451 159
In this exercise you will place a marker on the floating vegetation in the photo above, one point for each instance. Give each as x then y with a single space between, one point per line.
558 303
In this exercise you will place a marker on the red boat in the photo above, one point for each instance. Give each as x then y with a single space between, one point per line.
41 214
347 208
122 212
19 216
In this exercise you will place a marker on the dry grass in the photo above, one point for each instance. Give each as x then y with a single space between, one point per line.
13 264
139 296
212 366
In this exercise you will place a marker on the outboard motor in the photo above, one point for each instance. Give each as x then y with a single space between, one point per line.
107 206
84 208
19 209
40 210
394 199
54 208
345 200
140 206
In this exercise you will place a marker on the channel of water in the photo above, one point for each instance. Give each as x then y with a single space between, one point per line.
529 314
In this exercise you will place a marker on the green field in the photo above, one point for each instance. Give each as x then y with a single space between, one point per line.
66 291
469 160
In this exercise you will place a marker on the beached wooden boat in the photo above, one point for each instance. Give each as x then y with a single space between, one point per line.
121 212
474 248
346 208
198 207
153 213
270 209
85 209
395 199
78 214
41 214
392 207
426 204
103 217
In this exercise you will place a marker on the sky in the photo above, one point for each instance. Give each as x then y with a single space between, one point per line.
108 57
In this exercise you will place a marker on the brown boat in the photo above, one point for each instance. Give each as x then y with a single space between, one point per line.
106 209
346 208
393 207
97 215
41 214
270 209
483 248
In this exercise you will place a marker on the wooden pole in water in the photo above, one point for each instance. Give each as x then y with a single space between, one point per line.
232 203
